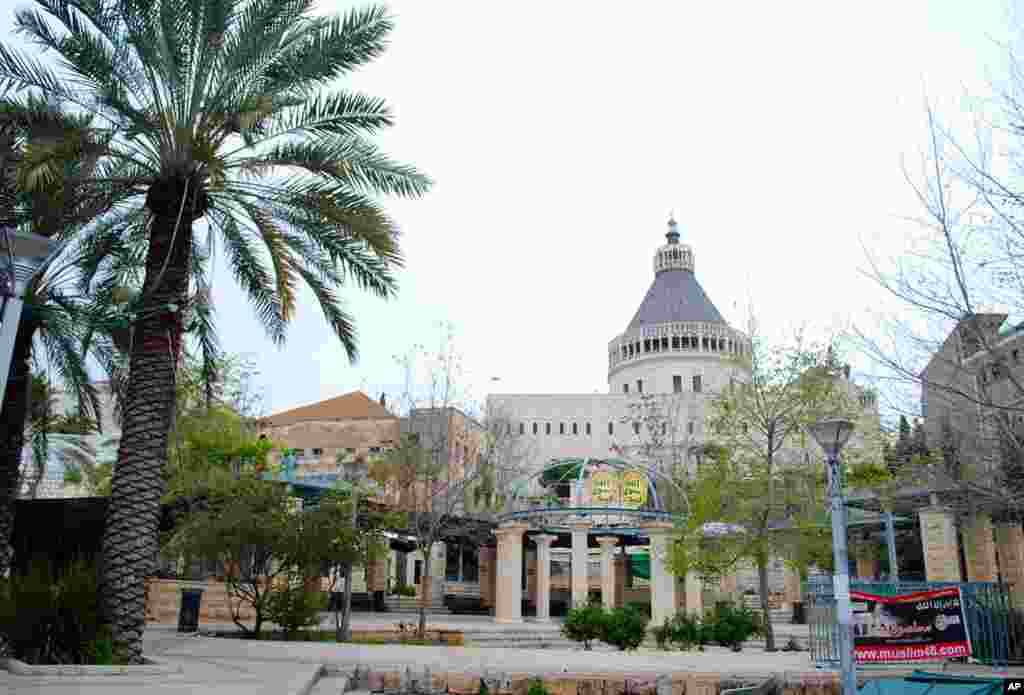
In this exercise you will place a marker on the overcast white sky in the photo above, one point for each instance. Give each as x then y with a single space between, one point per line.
560 134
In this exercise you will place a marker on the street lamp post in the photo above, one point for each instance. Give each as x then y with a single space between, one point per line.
355 472
831 435
21 254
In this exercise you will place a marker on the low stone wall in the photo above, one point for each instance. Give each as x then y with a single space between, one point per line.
163 601
452 638
457 683
470 589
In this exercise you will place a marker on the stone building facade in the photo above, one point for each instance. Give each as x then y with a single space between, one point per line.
972 397
677 347
350 426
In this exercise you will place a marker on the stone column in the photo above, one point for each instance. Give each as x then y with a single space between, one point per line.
434 584
580 563
729 586
608 544
694 594
791 584
410 567
509 600
941 549
866 554
377 574
980 549
1010 541
620 578
531 571
488 575
543 599
663 583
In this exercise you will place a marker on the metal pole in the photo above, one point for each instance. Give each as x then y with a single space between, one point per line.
890 542
346 620
9 333
841 579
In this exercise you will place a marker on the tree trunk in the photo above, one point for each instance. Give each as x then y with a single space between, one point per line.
344 631
16 405
762 587
130 540
425 589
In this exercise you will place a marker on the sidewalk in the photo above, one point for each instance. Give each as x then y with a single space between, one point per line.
202 673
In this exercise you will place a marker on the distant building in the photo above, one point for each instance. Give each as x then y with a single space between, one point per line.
350 426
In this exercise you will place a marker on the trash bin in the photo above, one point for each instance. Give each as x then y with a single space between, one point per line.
799 613
188 616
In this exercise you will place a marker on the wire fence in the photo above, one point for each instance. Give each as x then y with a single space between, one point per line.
993 626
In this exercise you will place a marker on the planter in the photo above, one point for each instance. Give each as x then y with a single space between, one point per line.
152 667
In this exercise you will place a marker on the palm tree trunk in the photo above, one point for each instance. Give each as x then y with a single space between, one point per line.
130 541
17 397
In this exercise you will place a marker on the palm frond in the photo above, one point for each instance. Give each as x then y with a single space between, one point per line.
338 319
251 273
347 160
332 48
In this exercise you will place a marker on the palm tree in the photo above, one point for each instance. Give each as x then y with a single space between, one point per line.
51 324
221 112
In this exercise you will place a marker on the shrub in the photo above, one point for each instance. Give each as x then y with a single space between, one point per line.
537 688
584 624
295 607
404 590
46 620
624 628
687 630
72 476
642 606
731 625
662 634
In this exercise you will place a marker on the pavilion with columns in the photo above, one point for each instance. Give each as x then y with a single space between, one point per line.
613 505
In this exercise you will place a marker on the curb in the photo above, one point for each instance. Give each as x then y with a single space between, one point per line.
153 667
307 687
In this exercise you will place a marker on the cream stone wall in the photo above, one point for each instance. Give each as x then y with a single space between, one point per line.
657 373
333 437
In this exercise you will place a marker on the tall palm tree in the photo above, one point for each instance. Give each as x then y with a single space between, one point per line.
51 325
224 112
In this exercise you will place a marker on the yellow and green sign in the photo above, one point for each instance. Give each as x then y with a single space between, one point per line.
634 489
604 487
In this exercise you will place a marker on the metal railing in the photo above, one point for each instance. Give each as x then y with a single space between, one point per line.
992 626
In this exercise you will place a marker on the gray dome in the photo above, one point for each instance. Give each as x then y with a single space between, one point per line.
675 295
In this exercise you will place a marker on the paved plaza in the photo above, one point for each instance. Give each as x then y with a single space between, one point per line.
229 666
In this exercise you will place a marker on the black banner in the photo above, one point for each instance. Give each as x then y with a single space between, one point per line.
912 627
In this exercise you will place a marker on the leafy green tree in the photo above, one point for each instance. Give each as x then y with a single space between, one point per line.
249 526
767 484
222 112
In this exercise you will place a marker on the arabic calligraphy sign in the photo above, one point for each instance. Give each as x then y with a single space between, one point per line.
634 489
912 627
604 487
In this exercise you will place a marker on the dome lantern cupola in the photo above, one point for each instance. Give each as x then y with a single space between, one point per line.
673 255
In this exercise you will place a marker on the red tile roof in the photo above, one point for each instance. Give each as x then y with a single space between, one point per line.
350 406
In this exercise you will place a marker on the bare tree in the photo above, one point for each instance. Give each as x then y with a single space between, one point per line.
662 435
959 279
448 464
759 422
